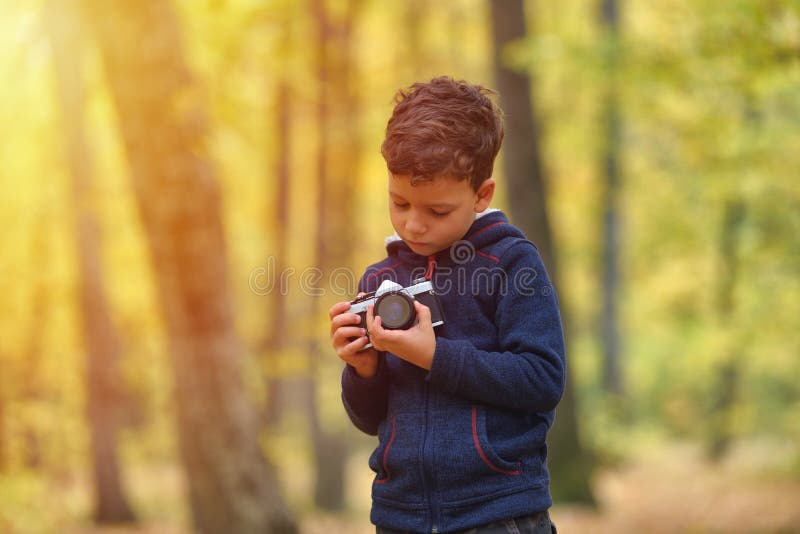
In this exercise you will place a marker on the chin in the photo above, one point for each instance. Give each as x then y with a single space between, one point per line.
421 250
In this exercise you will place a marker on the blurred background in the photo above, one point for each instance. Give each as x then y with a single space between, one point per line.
187 186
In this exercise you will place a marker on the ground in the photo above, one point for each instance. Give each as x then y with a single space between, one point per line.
671 489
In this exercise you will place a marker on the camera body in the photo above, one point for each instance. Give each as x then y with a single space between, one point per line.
395 305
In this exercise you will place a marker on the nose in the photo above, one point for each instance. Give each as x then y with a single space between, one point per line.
414 225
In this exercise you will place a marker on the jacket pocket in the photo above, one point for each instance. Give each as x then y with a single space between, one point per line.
380 456
484 449
467 466
396 461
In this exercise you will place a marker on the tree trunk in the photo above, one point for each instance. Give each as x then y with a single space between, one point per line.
4 364
277 323
31 386
413 15
337 157
726 382
612 374
569 463
232 488
522 144
339 142
104 384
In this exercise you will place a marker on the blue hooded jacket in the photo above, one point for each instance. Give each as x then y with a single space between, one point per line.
463 444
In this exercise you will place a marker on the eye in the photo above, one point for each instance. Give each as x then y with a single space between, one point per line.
440 213
399 205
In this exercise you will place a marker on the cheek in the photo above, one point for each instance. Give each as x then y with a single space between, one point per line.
463 225
396 218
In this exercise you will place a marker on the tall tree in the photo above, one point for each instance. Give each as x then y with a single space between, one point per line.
274 339
339 141
3 414
610 169
32 388
103 349
232 487
569 462
725 385
413 18
337 157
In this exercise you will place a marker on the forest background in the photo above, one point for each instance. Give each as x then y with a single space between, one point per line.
187 186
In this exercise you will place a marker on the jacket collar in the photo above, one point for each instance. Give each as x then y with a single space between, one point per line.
489 227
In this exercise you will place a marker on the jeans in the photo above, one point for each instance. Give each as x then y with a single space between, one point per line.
532 524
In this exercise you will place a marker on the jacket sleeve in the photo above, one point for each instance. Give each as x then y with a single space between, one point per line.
528 372
365 399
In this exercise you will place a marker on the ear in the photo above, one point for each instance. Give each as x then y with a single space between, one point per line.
484 194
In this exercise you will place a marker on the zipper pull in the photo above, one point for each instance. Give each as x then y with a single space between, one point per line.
431 267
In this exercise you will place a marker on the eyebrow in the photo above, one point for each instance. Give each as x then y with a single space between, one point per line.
440 205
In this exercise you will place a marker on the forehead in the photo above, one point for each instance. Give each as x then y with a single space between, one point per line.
442 186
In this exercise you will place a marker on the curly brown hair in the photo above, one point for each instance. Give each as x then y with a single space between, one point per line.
444 127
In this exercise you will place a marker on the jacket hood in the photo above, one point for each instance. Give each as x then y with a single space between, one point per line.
489 227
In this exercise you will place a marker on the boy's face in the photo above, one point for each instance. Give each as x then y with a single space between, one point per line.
432 215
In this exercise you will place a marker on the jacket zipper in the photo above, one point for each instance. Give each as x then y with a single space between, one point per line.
427 462
427 447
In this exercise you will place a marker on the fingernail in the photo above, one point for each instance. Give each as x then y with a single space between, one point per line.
363 332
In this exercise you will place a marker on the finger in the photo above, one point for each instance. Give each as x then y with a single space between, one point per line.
380 335
370 317
344 319
351 350
424 313
338 308
345 333
343 306
358 344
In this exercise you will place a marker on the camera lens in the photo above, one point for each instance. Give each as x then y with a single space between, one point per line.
396 311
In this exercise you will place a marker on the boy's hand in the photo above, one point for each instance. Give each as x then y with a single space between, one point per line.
348 339
415 345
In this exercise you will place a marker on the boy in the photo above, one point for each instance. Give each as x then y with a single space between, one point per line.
462 411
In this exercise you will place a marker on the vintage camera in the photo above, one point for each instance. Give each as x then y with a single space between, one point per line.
395 305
